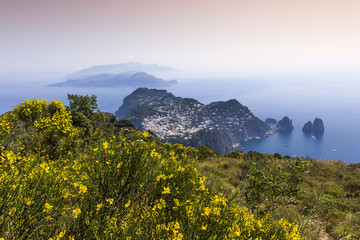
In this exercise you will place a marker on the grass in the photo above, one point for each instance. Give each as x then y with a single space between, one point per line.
328 201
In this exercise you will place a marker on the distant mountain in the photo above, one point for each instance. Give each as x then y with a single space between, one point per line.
128 79
221 125
117 69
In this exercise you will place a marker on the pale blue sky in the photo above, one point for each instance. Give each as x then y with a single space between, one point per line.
269 37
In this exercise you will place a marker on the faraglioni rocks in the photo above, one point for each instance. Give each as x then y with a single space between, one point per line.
270 121
318 125
284 125
308 127
221 125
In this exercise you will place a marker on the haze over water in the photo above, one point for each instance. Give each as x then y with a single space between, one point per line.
335 102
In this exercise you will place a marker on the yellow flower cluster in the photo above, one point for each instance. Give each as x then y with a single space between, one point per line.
7 123
30 109
76 212
47 207
253 228
47 126
113 188
59 122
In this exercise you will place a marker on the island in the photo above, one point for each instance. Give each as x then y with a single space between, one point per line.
129 67
222 125
128 79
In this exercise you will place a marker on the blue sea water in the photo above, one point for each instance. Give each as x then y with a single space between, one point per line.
336 102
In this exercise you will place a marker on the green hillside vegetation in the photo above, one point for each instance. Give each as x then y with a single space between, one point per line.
321 197
77 173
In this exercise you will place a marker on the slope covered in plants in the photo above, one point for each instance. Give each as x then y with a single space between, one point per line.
321 197
65 175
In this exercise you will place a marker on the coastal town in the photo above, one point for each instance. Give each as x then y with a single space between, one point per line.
174 119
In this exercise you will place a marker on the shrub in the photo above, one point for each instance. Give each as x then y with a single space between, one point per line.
113 188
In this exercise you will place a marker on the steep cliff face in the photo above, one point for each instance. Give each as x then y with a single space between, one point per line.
307 127
221 141
285 124
318 125
222 125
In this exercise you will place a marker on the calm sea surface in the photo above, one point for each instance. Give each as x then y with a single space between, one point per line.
336 102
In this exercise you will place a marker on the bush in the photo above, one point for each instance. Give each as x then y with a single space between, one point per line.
113 188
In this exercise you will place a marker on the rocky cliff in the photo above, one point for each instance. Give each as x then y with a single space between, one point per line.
307 127
222 125
271 121
318 125
284 124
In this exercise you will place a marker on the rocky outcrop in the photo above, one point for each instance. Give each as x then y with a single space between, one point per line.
222 125
318 125
270 121
285 125
308 127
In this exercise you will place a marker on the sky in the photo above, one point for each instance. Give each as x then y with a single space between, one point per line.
269 37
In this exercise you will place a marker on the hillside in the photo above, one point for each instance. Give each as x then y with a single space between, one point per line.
77 173
221 125
64 177
322 197
127 79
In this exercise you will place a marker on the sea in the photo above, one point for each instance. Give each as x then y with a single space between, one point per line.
335 101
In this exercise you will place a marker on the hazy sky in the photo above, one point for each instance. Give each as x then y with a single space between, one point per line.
243 36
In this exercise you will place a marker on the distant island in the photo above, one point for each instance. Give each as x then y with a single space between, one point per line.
127 79
221 125
130 67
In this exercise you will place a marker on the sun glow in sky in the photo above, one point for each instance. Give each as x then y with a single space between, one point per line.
238 36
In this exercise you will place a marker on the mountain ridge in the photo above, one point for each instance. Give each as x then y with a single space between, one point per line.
127 79
117 69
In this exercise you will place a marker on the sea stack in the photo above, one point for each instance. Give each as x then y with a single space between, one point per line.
270 121
285 125
308 127
318 125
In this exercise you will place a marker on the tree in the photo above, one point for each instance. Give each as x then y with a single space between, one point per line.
84 111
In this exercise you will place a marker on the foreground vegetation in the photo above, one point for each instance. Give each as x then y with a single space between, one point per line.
62 176
76 173
322 197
